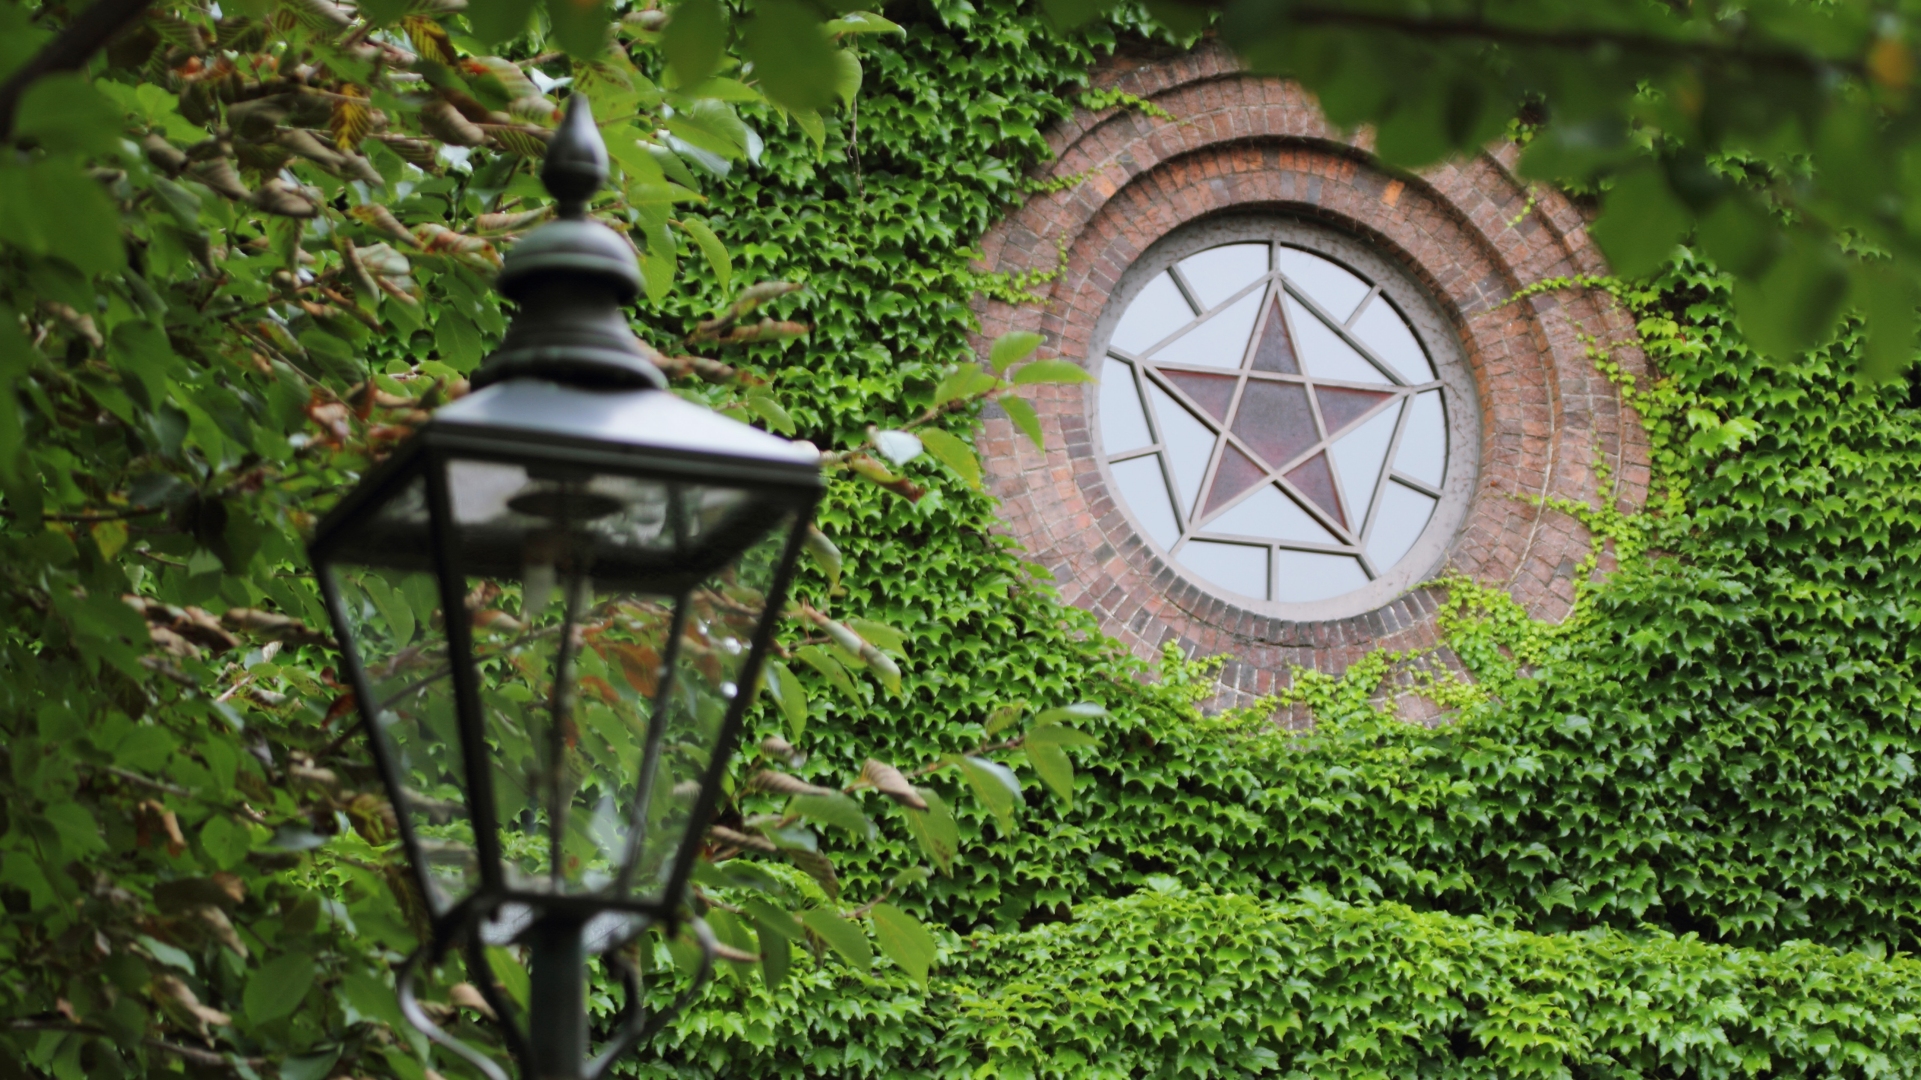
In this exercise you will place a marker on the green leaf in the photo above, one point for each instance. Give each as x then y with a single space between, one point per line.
1071 14
995 785
1011 348
774 920
79 833
315 1066
1000 719
1739 236
904 941
495 21
847 75
226 842
278 987
842 936
792 55
776 956
823 661
1793 307
880 635
1080 710
64 112
954 453
825 555
72 216
1049 734
713 250
1052 766
934 829
1021 412
833 808
166 954
580 26
790 696
964 382
770 411
511 974
695 35
1051 371
458 341
1887 300
1641 221
861 22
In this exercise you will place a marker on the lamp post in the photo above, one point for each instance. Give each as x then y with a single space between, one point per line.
553 601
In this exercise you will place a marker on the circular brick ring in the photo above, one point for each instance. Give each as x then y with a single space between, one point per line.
1551 426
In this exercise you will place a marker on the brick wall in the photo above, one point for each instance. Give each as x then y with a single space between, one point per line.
1470 231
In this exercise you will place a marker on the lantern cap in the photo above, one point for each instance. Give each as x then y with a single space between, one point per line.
571 278
639 421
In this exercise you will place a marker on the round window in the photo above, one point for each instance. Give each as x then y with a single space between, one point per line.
1282 413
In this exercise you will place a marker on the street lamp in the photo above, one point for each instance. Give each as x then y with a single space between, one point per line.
614 559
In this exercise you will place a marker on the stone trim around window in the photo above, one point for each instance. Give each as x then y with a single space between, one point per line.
1466 237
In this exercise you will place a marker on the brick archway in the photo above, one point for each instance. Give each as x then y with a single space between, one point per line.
1469 231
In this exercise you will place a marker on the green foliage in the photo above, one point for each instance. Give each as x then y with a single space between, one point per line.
1671 834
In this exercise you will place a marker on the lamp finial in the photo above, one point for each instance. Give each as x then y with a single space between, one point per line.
576 159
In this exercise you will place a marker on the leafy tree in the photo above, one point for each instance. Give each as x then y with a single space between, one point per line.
1782 135
242 252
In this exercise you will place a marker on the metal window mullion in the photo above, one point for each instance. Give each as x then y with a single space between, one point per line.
1387 468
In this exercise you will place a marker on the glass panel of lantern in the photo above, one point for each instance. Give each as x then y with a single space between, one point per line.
608 617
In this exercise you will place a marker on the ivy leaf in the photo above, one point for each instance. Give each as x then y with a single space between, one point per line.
1011 348
995 785
712 250
954 453
904 941
1021 412
1051 371
278 987
899 447
1002 718
842 936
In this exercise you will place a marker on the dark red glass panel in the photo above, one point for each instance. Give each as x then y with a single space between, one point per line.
1213 393
1276 350
1276 420
1314 479
1341 407
1237 473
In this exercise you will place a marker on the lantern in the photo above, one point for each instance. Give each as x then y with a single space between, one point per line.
553 601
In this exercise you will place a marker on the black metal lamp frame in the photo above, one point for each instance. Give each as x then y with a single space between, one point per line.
571 279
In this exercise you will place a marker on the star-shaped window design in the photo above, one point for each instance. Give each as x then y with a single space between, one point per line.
1273 422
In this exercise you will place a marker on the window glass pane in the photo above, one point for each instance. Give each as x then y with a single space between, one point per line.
1359 456
1123 425
1325 354
1270 515
1146 494
1384 331
1189 443
1332 287
1237 568
1309 575
1221 341
1404 513
1423 453
1218 273
1158 311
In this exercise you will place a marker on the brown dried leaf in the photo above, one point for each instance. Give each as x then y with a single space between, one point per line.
518 141
444 122
780 783
816 866
442 240
416 152
506 223
736 838
890 782
216 923
468 996
218 174
383 219
318 14
179 1002
273 626
280 198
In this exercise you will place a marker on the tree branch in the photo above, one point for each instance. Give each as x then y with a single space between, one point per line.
84 36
